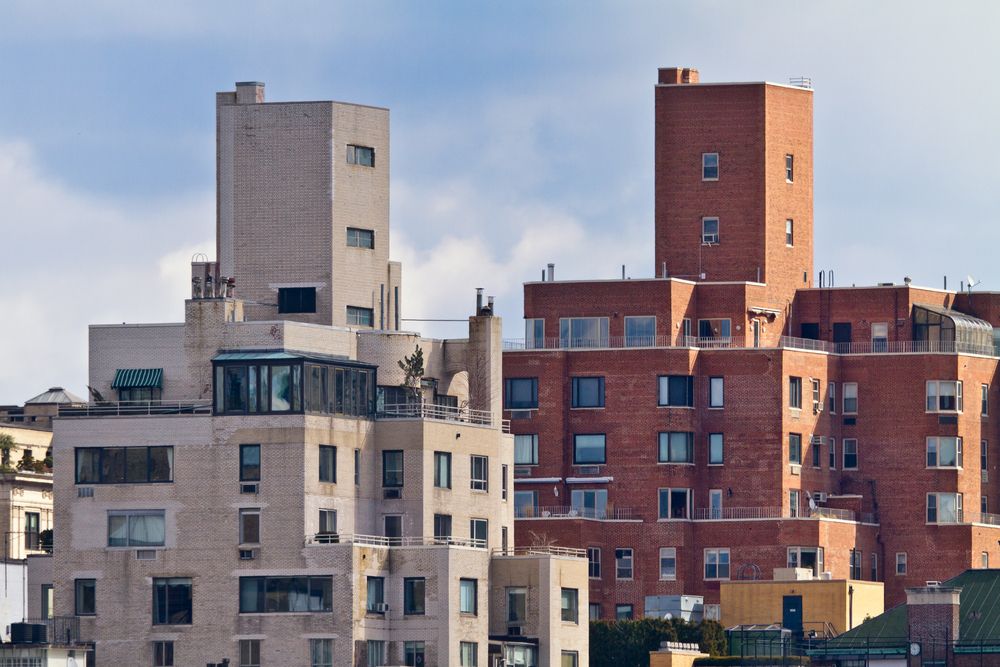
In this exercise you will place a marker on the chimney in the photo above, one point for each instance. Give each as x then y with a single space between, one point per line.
249 92
677 75
479 300
552 272
933 612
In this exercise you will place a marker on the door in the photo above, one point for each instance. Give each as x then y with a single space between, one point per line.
842 335
791 613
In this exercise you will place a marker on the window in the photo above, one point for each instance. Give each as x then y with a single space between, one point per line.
816 444
713 329
163 654
327 464
668 563
442 527
850 454
880 336
588 392
874 566
623 563
595 611
503 540
360 238
715 392
675 503
327 522
249 463
360 317
810 558
985 560
321 653
296 299
361 155
944 452
250 525
85 597
984 400
984 506
172 601
534 334
944 396
136 528
795 448
124 465
623 612
392 468
855 563
479 530
640 331
570 602
392 525
526 450
789 168
588 449
850 398
716 563
480 475
517 605
32 535
833 454
376 653
504 479
983 449
375 590
795 393
442 470
468 596
413 654
676 447
521 393
709 166
273 595
944 508
413 596
793 503
676 391
525 504
709 231
249 653
583 332
901 562
569 659
47 601
816 395
589 503
468 654
789 232
831 392
715 503
715 449
594 562
357 467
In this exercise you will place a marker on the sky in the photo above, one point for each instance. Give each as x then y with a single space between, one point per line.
522 134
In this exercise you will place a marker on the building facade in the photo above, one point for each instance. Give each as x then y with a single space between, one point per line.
734 415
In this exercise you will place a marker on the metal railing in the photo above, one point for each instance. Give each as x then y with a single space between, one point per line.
442 412
137 408
60 630
563 512
750 513
541 550
383 541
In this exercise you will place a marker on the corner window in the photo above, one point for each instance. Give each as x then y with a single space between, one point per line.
944 396
526 450
640 331
521 393
668 563
789 168
850 454
789 232
360 317
715 449
296 299
709 231
442 470
715 392
588 449
479 475
623 563
413 596
327 464
249 463
901 563
795 393
361 155
468 596
570 605
392 468
674 503
588 392
709 166
944 508
676 391
795 448
583 332
85 597
716 564
172 601
676 447
850 398
944 452
360 238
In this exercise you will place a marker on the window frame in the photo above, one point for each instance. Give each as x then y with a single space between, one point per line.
671 555
82 606
324 647
624 563
939 397
640 340
328 467
360 234
795 448
706 167
412 606
576 392
984 400
709 238
135 514
569 605
789 233
856 453
789 168
246 474
794 392
296 300
163 611
479 531
831 392
849 388
163 653
712 461
532 449
466 581
716 399
604 449
664 391
479 473
901 562
668 512
520 404
246 529
249 653
389 478
442 473
664 448
96 464
935 452
593 562
534 333
359 316
361 156
717 553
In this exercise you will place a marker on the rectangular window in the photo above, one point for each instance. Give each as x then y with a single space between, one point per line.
855 563
569 659
172 601
623 563
716 564
588 392
595 611
831 392
296 299
944 508
327 464
517 605
944 452
984 506
588 449
327 522
944 396
124 465
709 231
32 528
360 238
392 527
901 563
984 400
534 334
790 168
715 392
520 393
274 595
249 463
793 503
479 477
479 531
623 612
850 398
795 448
850 454
392 468
442 527
361 155
715 503
816 445
360 317
468 596
795 393
163 654
676 391
321 653
668 563
85 597
570 608
414 654
715 449
833 454
504 481
880 336
413 595
525 504
789 232
676 447
810 558
589 503
709 166
250 525
675 503
583 332
874 566
136 528
983 449
375 590
640 331
468 654
526 450
594 562
442 470
357 467
249 653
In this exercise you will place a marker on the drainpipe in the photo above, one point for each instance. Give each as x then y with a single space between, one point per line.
850 607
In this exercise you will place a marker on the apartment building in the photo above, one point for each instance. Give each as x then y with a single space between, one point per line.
736 414
286 477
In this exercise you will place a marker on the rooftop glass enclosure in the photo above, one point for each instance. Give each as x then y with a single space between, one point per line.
946 330
285 382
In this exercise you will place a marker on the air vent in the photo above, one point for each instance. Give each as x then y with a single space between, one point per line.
253 488
145 554
522 472
390 494
520 414
85 492
947 419
248 554
589 470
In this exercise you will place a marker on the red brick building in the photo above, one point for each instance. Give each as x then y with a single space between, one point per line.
731 415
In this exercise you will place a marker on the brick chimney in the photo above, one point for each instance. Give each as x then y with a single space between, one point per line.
249 92
675 75
933 612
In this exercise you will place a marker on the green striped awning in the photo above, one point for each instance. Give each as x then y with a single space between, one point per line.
138 378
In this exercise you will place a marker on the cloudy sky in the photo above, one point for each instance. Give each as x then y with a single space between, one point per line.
522 134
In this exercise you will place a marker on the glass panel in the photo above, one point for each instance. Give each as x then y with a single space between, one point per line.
117 530
113 465
136 464
588 449
146 530
281 389
161 461
236 388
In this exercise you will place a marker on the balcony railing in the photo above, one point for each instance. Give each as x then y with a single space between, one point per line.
541 550
749 513
382 541
60 630
137 408
563 512
441 412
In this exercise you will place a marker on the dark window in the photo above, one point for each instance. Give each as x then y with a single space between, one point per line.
250 525
163 654
360 238
809 330
589 449
31 530
139 394
392 468
124 465
393 527
479 530
360 317
521 393
296 299
842 336
249 653
789 168
413 596
709 231
676 447
361 155
623 612
795 448
357 467
676 390
570 605
709 166
794 392
442 526
285 594
249 463
594 562
817 451
856 557
442 470
85 597
172 601
327 464
789 232
588 392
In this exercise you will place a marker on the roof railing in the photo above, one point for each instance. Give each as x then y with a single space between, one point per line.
383 541
421 410
137 408
541 550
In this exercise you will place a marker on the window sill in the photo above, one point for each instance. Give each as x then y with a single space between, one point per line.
671 520
716 579
676 407
709 180
955 468
673 578
716 407
715 465
675 463
588 407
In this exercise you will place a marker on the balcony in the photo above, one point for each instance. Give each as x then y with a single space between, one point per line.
541 550
137 408
60 630
594 513
775 513
324 539
442 413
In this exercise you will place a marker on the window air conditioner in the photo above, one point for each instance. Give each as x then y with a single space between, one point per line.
514 631
820 496
380 607
817 407
248 554
392 493
145 554
250 488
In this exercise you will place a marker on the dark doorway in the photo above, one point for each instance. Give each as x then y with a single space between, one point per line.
791 613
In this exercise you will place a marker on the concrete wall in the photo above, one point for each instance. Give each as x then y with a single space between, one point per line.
760 602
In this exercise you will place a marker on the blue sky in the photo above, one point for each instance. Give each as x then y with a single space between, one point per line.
521 134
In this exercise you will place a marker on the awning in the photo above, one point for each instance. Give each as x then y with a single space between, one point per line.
254 356
138 378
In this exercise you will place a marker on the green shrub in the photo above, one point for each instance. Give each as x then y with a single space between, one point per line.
628 643
736 661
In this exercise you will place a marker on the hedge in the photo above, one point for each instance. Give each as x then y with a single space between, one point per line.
628 643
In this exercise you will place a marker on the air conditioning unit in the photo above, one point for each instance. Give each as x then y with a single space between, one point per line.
522 472
145 554
796 469
817 407
380 607
589 470
248 554
85 492
514 630
253 487
933 584
709 238
392 493
820 496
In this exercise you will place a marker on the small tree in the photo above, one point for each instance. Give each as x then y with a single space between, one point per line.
413 368
6 445
27 461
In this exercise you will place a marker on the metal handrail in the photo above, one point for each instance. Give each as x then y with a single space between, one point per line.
137 408
567 512
383 541
745 513
420 410
541 550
